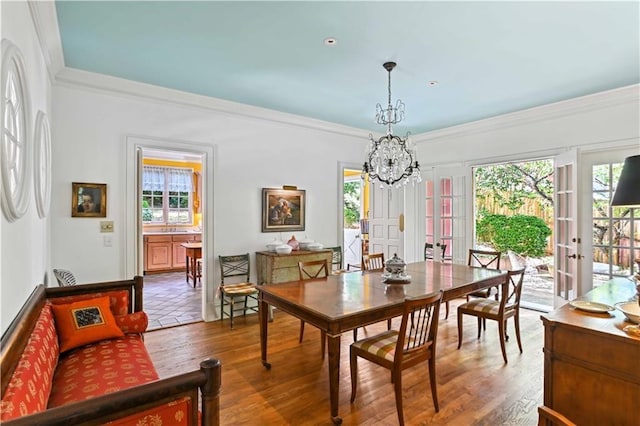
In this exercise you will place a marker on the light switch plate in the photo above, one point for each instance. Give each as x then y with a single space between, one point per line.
106 226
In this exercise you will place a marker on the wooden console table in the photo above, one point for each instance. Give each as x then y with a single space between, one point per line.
279 268
591 366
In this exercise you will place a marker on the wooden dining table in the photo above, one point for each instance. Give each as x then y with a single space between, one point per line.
347 301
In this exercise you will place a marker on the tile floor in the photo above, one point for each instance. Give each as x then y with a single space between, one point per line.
169 300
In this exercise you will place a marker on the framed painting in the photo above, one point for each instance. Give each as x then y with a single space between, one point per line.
88 199
283 210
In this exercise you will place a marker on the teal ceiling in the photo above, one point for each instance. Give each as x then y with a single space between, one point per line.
490 58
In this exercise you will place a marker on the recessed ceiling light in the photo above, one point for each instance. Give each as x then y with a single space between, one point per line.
330 41
433 83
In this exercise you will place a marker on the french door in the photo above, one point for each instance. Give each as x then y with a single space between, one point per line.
567 241
611 235
446 229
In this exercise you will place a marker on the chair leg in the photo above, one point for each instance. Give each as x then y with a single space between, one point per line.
446 310
244 308
517 325
389 324
502 342
459 329
221 306
432 379
397 387
353 366
301 331
231 309
480 326
355 334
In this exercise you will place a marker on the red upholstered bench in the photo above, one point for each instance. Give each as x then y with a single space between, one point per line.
76 355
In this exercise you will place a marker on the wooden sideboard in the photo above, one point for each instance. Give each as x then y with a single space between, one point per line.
591 366
279 268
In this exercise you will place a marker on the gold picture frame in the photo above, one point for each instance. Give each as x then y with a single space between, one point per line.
88 199
283 210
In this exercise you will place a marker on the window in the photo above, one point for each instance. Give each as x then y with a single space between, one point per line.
15 155
166 195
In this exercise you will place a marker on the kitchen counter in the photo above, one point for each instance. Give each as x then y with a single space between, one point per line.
170 232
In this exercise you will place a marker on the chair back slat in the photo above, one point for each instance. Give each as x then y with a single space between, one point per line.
419 327
237 265
373 262
313 269
512 290
484 258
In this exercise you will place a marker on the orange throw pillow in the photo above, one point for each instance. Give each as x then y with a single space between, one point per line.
84 322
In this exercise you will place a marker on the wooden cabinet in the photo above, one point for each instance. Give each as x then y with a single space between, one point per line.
279 268
591 372
158 254
164 253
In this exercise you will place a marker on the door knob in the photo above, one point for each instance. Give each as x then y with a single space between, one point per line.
572 256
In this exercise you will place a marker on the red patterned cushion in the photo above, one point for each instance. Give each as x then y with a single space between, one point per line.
30 385
174 413
133 323
101 368
118 300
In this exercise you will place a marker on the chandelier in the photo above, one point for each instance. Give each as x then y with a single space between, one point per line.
391 160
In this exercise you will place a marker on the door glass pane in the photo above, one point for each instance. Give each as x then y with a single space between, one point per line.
615 229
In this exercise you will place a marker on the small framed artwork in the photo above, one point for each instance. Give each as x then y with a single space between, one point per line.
88 199
283 210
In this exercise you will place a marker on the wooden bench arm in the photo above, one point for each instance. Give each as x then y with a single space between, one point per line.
124 403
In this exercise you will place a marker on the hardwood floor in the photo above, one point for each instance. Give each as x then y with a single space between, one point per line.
475 387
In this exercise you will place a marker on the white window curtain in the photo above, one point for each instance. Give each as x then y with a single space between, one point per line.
178 180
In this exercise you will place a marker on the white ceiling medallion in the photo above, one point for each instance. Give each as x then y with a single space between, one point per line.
14 145
42 164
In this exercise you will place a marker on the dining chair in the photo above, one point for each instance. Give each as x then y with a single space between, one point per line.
486 308
428 250
372 262
550 417
413 344
336 260
236 267
311 270
428 254
64 277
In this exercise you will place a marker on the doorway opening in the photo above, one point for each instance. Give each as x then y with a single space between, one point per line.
171 214
514 214
355 230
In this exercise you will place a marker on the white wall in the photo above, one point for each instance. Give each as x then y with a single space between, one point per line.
587 122
24 245
91 127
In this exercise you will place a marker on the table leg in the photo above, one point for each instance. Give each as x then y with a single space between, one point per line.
263 311
334 376
186 260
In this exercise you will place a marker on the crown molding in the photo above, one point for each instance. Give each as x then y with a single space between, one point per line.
74 78
45 22
600 100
